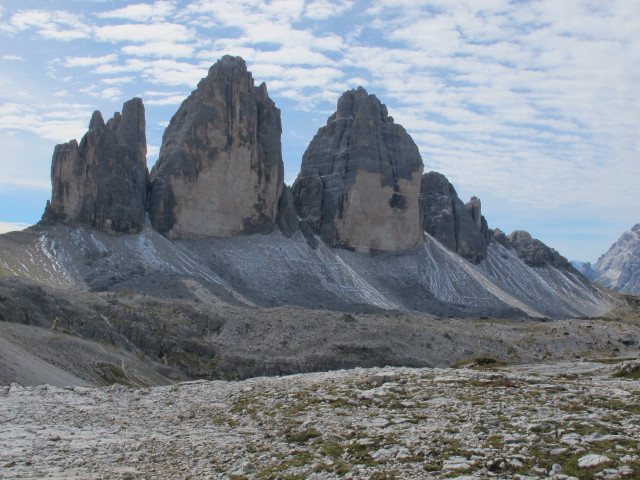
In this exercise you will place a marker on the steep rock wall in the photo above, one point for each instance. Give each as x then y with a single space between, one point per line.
360 179
220 171
103 181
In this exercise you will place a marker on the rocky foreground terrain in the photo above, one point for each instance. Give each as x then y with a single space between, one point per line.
578 419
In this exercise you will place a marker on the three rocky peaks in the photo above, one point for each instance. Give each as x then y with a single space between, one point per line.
220 173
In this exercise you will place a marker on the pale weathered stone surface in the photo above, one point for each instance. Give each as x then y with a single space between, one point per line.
432 424
360 179
459 227
592 460
220 170
103 181
619 267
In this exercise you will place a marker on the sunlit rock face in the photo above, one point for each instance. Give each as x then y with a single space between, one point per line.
220 171
103 181
619 267
360 179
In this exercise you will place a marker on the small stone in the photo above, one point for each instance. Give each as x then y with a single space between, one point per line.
592 460
457 463
555 469
248 467
382 378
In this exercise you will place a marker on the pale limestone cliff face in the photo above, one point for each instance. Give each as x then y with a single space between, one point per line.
103 181
360 179
220 171
368 221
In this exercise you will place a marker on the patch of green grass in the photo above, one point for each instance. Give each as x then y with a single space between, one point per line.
332 449
629 375
249 404
495 441
386 475
341 468
111 374
274 472
303 436
610 360
479 363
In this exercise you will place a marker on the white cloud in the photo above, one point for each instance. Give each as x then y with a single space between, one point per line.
164 98
12 226
158 72
12 58
118 80
140 33
90 61
142 12
160 49
323 9
54 25
58 122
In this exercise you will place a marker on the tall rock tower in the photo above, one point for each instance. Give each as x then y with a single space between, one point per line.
103 181
360 179
220 171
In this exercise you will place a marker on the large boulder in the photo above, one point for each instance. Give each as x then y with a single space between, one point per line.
220 170
103 181
459 227
360 179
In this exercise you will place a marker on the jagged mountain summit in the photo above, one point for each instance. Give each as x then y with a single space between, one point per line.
362 231
359 181
103 181
220 171
619 267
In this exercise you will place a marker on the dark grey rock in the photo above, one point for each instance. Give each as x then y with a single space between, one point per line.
535 253
499 237
459 227
103 181
360 179
287 217
474 207
220 170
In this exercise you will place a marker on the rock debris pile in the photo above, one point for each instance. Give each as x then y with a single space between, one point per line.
563 421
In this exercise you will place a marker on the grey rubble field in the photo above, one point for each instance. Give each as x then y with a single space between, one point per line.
272 270
146 310
573 420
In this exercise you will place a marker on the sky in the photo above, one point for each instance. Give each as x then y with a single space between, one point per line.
531 105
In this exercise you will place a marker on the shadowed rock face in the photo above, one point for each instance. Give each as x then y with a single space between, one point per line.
360 179
103 181
459 227
220 170
532 251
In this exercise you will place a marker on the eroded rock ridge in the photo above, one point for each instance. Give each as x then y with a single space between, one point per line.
103 181
459 227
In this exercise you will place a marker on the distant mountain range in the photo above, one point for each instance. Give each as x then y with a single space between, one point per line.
619 267
186 264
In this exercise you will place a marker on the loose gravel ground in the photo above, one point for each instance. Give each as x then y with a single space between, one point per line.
562 421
